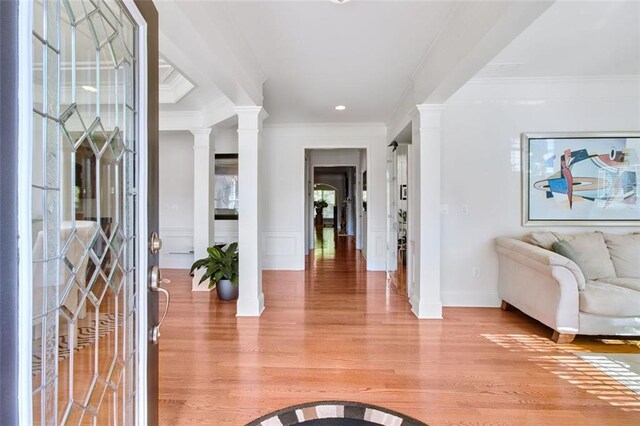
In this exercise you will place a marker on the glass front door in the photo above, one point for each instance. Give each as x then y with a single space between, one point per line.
83 197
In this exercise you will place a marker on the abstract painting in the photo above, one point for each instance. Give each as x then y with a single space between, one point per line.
581 179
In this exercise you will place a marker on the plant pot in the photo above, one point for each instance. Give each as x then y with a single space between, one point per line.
226 290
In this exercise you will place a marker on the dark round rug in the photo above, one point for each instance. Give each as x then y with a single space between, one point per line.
335 413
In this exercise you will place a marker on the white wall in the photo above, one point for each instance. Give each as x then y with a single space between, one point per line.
176 199
284 212
481 164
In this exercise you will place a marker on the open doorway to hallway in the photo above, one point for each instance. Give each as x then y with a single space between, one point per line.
335 204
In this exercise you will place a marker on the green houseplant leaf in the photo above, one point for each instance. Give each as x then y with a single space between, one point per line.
221 263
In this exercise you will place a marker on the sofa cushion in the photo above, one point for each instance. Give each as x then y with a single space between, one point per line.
630 283
601 298
624 251
542 239
564 248
592 253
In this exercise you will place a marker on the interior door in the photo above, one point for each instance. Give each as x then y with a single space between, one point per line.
93 205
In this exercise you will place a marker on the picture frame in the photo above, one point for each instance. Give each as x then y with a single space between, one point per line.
580 179
364 191
226 199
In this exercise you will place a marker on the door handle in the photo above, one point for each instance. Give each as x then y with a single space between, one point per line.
155 284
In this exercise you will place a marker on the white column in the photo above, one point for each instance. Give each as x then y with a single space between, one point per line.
201 200
427 303
251 299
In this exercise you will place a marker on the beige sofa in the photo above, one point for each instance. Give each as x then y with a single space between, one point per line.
599 297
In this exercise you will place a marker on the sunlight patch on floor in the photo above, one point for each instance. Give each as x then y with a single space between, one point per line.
606 376
530 343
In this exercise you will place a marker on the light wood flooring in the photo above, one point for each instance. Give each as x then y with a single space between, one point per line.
335 331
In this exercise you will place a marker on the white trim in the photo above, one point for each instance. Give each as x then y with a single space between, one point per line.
470 299
368 150
25 287
141 214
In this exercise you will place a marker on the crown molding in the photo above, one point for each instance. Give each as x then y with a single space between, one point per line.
537 90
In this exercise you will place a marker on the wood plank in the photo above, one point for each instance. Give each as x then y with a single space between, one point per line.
335 331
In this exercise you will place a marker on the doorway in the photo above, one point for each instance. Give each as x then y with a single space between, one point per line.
398 211
333 208
333 198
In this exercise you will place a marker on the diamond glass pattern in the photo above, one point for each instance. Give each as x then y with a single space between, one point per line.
83 203
73 126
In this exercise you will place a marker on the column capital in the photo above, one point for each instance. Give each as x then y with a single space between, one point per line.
250 117
430 115
201 132
430 107
201 137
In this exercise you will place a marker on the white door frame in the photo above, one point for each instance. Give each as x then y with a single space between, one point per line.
358 224
303 188
25 292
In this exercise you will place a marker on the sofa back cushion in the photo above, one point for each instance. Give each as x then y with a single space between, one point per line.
624 251
543 239
592 253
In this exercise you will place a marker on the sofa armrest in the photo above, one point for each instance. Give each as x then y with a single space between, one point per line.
542 284
538 258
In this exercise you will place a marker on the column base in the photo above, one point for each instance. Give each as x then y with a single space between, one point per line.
426 309
252 307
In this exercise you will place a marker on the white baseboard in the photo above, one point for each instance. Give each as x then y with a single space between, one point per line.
426 309
471 300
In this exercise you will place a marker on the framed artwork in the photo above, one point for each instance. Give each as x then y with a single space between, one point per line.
403 192
226 187
580 179
364 191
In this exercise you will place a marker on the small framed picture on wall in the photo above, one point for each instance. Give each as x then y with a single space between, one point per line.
403 192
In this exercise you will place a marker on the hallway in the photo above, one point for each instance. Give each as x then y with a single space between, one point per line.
333 252
335 331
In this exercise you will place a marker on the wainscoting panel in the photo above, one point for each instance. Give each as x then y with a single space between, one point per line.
376 256
177 248
283 250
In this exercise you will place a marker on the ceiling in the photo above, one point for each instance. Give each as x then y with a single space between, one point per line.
599 38
317 55
364 54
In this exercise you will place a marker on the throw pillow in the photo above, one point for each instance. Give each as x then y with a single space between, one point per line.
564 248
625 254
593 254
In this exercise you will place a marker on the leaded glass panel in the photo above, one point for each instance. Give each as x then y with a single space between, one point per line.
83 204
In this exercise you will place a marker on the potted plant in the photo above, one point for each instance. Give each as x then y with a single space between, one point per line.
221 269
319 206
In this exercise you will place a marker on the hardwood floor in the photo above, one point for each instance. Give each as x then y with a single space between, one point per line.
335 331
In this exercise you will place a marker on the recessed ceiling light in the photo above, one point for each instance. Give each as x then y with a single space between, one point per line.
341 108
90 89
340 1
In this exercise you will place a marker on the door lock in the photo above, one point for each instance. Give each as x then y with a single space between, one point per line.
155 243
